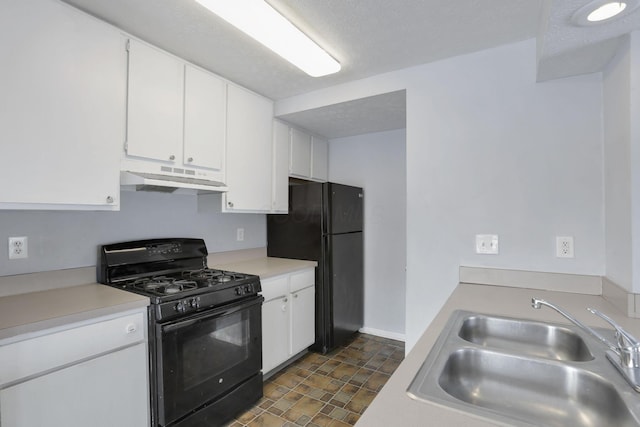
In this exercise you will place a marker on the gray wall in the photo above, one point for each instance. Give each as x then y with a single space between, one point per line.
377 163
69 239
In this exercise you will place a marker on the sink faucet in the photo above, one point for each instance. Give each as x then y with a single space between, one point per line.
624 355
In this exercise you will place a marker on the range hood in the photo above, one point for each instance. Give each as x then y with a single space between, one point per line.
143 181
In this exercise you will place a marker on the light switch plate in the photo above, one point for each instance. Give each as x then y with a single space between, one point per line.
487 244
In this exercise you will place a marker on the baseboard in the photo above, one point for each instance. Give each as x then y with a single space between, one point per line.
384 334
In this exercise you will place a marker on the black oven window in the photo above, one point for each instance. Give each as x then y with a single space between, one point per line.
215 346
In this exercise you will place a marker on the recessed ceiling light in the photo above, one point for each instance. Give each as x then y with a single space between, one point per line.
602 11
606 11
263 23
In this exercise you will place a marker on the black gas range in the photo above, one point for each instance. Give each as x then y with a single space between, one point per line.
205 345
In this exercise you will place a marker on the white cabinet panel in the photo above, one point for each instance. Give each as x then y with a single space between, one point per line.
275 332
309 156
62 108
154 101
303 319
300 153
205 101
319 159
288 317
249 151
107 391
280 194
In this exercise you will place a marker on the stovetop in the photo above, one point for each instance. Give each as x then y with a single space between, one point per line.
190 282
173 273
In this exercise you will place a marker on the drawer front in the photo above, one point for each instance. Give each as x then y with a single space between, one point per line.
302 279
275 287
37 355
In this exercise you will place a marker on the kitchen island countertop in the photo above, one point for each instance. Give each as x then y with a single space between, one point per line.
393 407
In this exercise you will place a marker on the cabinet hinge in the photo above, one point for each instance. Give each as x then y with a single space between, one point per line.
126 146
128 45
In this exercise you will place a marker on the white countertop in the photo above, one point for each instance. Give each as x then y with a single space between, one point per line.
35 311
31 312
393 407
266 267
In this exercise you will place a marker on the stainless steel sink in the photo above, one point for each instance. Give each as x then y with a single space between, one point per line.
530 338
521 372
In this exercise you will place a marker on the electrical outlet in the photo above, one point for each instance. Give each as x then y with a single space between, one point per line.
564 246
240 234
487 244
18 247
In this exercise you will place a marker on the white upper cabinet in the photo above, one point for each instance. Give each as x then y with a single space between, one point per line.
155 120
300 152
249 152
319 159
308 157
62 108
280 195
176 116
205 119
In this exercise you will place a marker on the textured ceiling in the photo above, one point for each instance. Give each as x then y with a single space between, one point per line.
367 37
566 49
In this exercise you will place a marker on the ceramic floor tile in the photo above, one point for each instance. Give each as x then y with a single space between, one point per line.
329 390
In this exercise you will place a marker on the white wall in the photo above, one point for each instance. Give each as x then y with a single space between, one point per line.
617 167
489 150
622 164
377 163
59 240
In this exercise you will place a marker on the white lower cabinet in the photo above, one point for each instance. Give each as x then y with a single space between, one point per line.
101 392
288 317
92 374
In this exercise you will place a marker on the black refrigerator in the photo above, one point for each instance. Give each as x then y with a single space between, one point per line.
324 224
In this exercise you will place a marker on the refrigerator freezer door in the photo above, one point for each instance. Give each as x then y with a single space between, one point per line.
346 284
345 208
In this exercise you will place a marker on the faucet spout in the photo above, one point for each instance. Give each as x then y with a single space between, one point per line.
537 303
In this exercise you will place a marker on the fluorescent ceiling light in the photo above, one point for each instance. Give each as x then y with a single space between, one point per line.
262 22
606 11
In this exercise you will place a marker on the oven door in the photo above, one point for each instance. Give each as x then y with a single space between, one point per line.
202 357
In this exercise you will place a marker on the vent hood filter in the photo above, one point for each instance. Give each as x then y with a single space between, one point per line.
141 181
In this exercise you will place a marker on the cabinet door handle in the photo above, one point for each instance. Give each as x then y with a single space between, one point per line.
190 159
172 157
295 295
109 199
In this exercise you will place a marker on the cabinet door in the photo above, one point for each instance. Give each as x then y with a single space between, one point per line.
319 159
249 165
300 152
302 319
205 101
111 390
280 197
62 107
154 104
275 332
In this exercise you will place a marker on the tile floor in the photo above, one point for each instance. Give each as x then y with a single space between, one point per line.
330 390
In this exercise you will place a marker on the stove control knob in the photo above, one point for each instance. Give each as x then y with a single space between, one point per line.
238 291
247 288
195 302
181 307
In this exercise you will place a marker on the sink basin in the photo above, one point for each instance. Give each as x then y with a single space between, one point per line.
525 337
522 372
529 389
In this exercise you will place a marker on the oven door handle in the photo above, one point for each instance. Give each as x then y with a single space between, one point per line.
222 311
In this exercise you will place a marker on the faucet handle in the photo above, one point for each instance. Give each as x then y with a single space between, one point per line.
622 335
